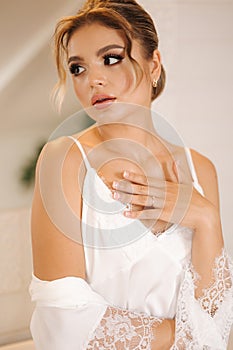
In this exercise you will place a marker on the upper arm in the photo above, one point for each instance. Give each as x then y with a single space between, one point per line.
207 177
56 213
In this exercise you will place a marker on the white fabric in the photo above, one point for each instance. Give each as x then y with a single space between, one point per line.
129 270
193 171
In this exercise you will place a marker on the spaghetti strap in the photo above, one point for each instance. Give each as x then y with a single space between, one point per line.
87 164
193 171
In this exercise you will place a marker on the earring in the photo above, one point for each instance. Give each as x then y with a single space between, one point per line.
154 83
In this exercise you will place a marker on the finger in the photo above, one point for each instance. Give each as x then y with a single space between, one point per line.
145 201
153 214
128 187
171 170
144 180
182 170
175 171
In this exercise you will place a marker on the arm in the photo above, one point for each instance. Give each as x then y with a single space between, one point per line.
55 255
68 313
207 239
205 302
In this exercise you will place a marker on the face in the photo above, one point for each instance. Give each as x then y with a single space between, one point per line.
103 74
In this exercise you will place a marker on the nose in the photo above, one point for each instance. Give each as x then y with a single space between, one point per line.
97 77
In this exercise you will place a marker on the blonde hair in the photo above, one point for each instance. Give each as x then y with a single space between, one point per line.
127 16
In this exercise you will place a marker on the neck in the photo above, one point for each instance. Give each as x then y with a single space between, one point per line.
130 122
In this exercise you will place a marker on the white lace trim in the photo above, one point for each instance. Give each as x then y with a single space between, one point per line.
205 323
122 329
213 296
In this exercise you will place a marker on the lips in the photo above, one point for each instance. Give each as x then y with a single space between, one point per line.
101 99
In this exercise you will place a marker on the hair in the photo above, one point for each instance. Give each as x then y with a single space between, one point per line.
127 16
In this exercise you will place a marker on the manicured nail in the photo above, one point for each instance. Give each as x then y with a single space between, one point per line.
127 213
115 184
126 173
116 195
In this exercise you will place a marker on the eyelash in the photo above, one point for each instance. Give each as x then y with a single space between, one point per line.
116 56
74 67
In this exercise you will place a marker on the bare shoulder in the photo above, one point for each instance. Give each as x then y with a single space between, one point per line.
56 211
207 176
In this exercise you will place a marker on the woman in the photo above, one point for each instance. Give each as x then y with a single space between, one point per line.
127 243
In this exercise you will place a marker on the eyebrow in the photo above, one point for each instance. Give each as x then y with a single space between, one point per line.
99 52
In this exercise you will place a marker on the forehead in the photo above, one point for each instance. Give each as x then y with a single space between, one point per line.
93 36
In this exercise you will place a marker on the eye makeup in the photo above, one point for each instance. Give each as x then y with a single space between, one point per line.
111 59
75 69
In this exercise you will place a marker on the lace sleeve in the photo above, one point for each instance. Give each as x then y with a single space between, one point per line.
69 315
205 322
122 329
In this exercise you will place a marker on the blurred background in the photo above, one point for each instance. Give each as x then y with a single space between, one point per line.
196 43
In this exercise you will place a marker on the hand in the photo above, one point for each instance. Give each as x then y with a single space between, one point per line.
161 200
164 335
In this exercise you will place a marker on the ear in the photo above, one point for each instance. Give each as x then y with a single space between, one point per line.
155 65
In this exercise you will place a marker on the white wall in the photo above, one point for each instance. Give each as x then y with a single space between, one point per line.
197 42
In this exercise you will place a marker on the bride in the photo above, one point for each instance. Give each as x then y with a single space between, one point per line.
127 241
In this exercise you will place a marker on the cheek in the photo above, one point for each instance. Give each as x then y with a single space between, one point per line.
76 88
126 79
79 90
135 85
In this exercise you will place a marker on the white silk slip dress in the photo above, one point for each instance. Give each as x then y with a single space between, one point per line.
134 280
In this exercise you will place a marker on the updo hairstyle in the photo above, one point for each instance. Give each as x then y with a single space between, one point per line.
126 16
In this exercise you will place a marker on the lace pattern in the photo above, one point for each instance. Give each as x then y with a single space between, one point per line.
205 323
213 296
122 329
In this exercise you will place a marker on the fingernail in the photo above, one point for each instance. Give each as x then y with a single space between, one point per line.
116 195
127 213
115 184
126 173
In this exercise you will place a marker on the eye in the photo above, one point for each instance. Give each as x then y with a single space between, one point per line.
76 70
112 59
